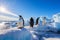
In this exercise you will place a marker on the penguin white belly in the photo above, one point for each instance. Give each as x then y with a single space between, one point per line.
20 24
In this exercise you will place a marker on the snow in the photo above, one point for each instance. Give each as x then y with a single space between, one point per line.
56 25
29 33
3 26
15 34
43 31
38 32
52 38
56 17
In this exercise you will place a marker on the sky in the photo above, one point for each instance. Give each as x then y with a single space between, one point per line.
32 8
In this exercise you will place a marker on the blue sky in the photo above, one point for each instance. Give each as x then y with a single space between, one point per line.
32 8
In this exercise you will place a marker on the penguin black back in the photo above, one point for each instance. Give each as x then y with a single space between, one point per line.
37 20
31 22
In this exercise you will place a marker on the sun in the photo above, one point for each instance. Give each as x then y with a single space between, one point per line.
2 9
5 11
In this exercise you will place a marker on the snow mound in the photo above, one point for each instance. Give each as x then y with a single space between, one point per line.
56 17
3 25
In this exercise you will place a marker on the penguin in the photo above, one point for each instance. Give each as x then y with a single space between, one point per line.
20 23
37 21
31 22
44 21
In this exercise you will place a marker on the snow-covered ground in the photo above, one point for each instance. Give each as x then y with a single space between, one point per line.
44 32
38 32
15 34
28 33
